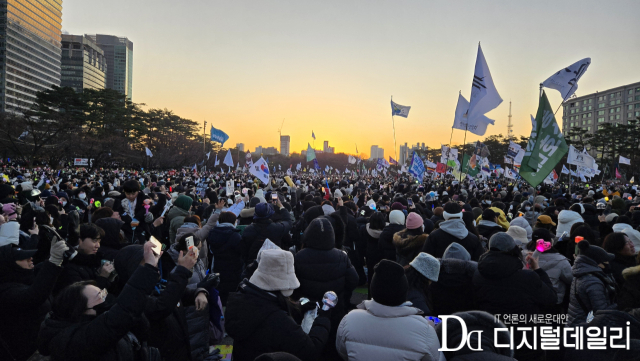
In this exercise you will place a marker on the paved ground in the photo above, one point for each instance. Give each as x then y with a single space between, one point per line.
359 295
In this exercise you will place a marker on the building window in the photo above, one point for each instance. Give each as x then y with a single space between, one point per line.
630 106
571 124
612 95
637 97
630 91
629 115
613 102
618 110
629 99
612 110
600 98
600 112
617 116
601 120
601 105
573 111
584 109
637 105
589 128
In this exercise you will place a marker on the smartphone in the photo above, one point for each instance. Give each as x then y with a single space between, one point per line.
158 245
409 202
436 320
189 241
274 196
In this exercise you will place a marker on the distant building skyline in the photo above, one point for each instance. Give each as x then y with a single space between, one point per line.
240 146
118 52
83 63
285 145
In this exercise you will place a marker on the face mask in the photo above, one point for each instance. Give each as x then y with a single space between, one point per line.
51 218
103 194
110 188
64 204
474 222
82 196
527 208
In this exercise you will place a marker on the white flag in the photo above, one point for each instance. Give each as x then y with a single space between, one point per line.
399 110
564 170
208 154
217 162
260 170
149 152
477 126
228 160
576 157
624 160
299 166
484 95
352 159
566 80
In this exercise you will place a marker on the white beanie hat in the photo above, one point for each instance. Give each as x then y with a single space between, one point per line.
396 217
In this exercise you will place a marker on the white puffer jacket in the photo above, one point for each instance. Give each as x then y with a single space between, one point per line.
566 219
378 332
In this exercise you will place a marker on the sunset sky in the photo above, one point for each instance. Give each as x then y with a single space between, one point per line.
332 66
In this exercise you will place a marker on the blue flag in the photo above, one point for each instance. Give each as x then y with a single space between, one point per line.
315 164
313 135
219 136
417 166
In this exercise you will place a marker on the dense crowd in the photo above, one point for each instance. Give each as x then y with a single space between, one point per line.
127 265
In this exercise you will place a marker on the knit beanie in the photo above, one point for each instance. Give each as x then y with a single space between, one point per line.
427 265
414 221
254 202
183 202
596 253
319 234
456 251
501 241
452 210
263 210
10 210
389 285
396 217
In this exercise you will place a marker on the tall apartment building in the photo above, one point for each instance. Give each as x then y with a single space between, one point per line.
83 63
119 54
31 32
326 148
376 152
240 146
404 153
285 145
616 105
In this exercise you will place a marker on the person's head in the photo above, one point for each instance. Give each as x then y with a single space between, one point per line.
90 237
452 211
377 221
78 300
582 230
539 233
131 189
489 215
23 258
415 221
182 243
619 243
389 285
102 212
597 254
184 202
276 272
545 221
227 217
193 219
427 265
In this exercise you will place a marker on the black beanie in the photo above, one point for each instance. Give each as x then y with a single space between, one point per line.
596 253
319 235
389 285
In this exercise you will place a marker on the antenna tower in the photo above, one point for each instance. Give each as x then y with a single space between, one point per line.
509 124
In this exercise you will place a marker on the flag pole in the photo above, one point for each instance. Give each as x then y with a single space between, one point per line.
394 140
463 144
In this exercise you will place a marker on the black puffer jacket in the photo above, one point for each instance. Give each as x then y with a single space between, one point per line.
408 244
590 287
82 267
488 228
24 303
385 242
225 248
441 238
455 279
109 336
168 331
254 235
629 296
112 241
259 322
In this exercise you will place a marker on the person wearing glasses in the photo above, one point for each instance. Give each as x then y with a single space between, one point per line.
77 329
621 246
88 264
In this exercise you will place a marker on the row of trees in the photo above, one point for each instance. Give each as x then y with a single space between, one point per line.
102 125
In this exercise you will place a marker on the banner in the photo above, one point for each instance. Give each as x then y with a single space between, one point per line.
441 168
416 168
468 166
219 136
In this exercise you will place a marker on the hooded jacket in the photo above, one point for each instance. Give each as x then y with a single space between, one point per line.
633 235
489 228
408 244
83 267
369 238
378 332
261 229
629 296
455 278
558 269
111 241
175 217
453 230
566 219
259 322
225 251
24 303
592 287
385 242
103 337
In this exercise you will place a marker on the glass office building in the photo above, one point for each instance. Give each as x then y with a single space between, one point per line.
83 63
118 52
31 34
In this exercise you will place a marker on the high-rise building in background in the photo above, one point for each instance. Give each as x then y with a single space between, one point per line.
240 146
376 152
31 33
269 151
588 112
404 153
258 150
119 54
326 148
285 145
83 63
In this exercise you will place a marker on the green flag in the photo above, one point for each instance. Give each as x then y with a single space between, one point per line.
466 168
311 154
546 146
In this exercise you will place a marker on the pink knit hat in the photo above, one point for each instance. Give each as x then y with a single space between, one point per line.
414 221
10 210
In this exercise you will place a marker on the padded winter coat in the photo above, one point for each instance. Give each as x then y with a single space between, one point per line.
591 290
408 245
379 332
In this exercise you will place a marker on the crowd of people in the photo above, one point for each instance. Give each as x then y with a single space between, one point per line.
128 265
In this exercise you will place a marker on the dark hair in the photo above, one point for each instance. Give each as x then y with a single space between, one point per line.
468 219
614 242
131 186
193 219
42 218
102 212
489 215
227 217
377 221
70 304
540 233
91 231
181 245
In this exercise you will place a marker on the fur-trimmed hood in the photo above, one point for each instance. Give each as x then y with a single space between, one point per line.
631 272
247 213
408 245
